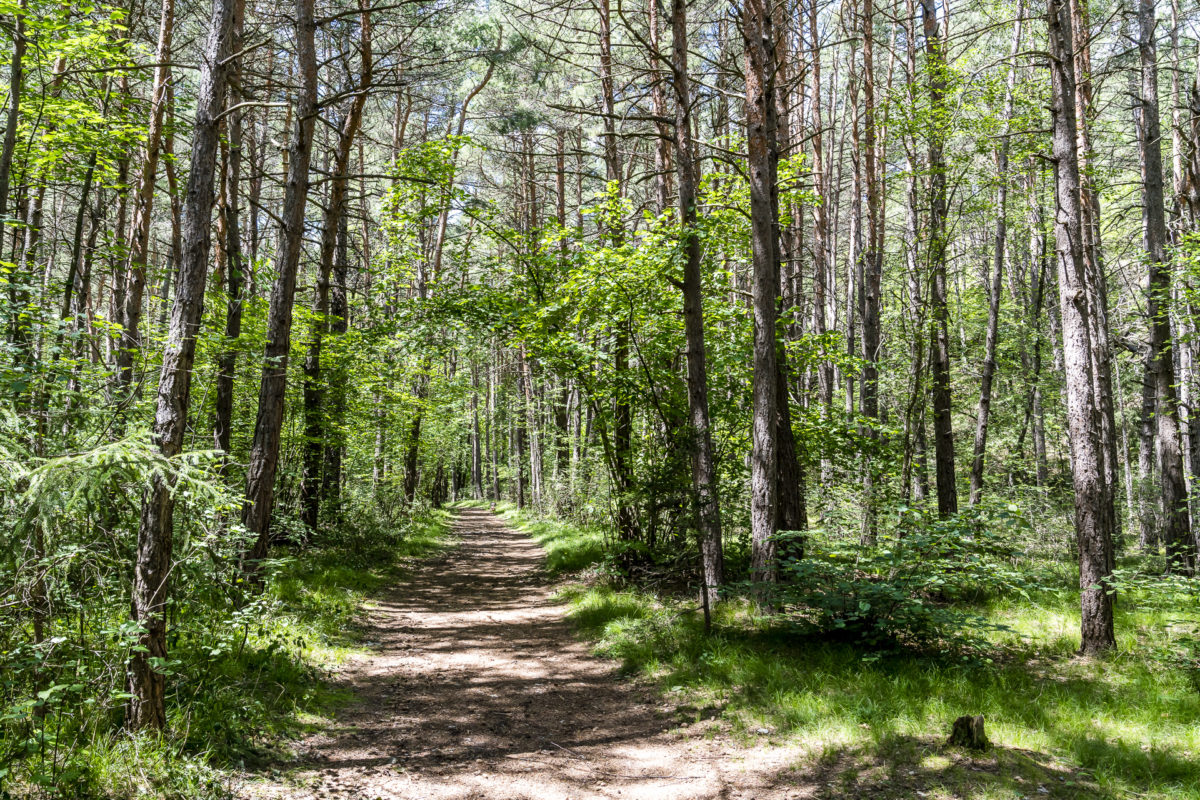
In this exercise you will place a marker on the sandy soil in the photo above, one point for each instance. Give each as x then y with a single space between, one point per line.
478 688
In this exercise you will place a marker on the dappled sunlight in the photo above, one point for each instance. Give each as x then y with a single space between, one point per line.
478 688
819 695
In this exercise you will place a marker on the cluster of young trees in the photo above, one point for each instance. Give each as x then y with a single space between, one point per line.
703 272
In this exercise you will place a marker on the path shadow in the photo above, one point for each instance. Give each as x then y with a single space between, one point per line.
908 766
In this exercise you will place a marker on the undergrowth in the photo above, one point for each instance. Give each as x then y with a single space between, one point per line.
873 722
247 673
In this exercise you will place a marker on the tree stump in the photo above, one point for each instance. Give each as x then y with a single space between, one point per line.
968 733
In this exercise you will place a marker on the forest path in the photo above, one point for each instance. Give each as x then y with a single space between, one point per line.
478 688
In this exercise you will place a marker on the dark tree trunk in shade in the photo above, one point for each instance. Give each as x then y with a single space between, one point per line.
943 424
153 561
763 161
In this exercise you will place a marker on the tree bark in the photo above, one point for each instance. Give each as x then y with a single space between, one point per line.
1177 534
153 564
268 426
706 500
1094 513
763 160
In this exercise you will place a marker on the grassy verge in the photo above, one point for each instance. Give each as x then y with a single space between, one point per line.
239 694
1063 726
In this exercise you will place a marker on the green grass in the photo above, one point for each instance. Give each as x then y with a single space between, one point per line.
1125 725
245 682
569 548
323 590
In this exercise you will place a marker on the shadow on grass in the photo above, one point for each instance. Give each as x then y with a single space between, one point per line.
914 766
1131 727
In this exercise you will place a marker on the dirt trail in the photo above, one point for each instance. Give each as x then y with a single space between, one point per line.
478 688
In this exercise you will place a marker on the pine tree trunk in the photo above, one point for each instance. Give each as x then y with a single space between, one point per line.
763 156
706 500
268 426
152 567
1177 534
1094 515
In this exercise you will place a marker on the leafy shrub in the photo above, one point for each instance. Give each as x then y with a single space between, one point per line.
1173 598
913 588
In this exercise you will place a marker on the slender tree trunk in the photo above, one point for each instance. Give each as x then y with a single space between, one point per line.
1177 534
763 154
628 527
707 507
869 271
314 385
16 83
791 511
983 416
943 425
339 324
821 230
658 102
147 684
1094 515
143 208
268 427
476 448
235 268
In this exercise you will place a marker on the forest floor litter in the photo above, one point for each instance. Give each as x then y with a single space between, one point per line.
477 686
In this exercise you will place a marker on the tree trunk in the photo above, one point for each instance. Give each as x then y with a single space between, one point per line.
763 158
314 386
706 501
235 266
821 231
869 270
1001 243
943 424
16 82
339 323
1177 535
143 208
268 426
153 565
1094 514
